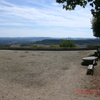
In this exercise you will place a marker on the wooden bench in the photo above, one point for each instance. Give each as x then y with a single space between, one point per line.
90 69
90 60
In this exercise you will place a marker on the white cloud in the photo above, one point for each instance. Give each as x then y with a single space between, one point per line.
46 16
14 24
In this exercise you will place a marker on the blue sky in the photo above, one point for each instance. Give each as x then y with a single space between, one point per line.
43 18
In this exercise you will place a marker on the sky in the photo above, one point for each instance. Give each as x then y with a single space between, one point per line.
43 18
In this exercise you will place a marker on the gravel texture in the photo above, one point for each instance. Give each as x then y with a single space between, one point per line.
47 75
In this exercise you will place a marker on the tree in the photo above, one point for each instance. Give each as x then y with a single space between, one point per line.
95 4
71 5
96 26
67 43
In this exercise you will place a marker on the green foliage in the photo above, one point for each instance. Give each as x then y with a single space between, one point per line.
96 26
71 5
95 10
54 46
67 43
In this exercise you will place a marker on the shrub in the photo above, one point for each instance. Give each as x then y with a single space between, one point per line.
67 43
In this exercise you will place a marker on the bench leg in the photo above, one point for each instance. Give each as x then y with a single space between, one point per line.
90 72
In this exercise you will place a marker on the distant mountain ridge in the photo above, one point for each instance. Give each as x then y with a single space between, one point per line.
44 40
18 40
78 42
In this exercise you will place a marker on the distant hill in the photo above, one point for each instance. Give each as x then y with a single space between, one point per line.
28 41
4 41
82 42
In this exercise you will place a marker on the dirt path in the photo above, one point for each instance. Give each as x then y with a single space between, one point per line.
46 75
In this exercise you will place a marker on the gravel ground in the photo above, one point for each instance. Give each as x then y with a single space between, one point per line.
47 75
